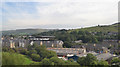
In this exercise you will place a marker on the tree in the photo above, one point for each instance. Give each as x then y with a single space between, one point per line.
11 50
115 61
24 52
86 38
57 61
35 57
67 44
94 40
102 62
44 53
16 50
51 54
71 63
32 52
71 60
81 61
88 60
81 32
5 49
46 61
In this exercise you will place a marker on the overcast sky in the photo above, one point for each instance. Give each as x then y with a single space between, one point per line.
57 13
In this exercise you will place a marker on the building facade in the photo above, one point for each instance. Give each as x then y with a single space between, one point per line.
47 41
66 52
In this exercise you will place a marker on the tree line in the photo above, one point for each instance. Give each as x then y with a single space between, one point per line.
69 36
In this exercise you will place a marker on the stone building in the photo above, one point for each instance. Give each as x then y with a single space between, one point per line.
47 41
66 52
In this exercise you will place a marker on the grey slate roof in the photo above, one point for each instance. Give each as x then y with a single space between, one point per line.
91 47
104 56
65 51
85 54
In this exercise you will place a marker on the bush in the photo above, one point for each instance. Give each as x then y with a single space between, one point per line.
35 57
102 62
57 61
115 61
88 60
46 61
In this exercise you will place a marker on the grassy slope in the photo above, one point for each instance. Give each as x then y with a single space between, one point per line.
25 31
107 28
15 59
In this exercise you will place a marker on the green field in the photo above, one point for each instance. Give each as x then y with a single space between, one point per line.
104 28
15 59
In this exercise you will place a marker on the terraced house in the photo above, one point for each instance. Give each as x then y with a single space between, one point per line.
47 41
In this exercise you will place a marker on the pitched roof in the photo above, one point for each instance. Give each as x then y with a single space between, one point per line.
104 56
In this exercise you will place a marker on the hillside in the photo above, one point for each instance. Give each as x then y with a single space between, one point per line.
94 34
105 28
102 28
13 58
25 31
